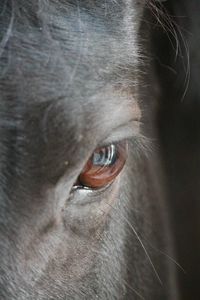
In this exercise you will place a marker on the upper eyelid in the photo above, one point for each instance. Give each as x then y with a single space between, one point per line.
124 131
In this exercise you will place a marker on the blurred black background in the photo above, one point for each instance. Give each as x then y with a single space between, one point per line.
176 48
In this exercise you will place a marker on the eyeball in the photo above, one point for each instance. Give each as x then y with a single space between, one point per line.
103 166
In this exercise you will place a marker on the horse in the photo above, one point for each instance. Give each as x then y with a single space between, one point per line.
83 210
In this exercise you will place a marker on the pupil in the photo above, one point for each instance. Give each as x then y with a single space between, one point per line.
106 156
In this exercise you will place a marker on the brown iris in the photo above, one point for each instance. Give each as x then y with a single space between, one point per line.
104 165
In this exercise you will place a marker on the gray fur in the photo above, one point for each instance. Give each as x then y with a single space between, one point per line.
71 73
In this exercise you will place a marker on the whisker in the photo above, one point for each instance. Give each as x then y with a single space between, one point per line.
166 255
7 35
131 288
160 251
108 237
141 243
170 26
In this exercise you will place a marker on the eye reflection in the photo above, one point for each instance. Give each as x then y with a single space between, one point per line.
104 165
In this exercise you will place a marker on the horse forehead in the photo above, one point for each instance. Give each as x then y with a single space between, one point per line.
99 58
85 73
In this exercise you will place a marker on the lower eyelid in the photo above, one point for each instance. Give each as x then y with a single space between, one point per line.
91 190
84 196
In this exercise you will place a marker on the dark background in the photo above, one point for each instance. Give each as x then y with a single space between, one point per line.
176 48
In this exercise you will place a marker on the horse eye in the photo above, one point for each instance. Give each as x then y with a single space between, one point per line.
104 165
